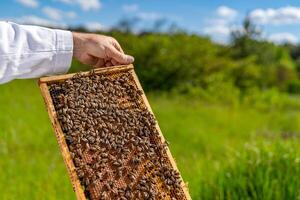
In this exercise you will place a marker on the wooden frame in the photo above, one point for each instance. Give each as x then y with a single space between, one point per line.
43 84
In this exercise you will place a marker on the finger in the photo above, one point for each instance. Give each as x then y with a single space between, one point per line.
100 63
113 53
88 59
114 62
118 46
108 64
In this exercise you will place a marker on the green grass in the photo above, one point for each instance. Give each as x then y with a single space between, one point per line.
222 152
261 171
31 166
205 140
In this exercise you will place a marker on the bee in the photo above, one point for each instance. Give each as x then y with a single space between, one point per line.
132 176
131 185
117 163
121 171
136 160
107 186
104 195
80 173
87 181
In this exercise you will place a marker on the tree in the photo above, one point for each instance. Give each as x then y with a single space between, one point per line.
127 25
243 40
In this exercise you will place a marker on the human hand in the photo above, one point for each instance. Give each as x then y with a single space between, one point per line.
99 50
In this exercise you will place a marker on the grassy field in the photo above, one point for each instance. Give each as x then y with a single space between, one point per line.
223 152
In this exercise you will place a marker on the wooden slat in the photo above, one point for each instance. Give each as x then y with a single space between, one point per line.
58 78
62 142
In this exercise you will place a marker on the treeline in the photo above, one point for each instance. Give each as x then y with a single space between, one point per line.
182 62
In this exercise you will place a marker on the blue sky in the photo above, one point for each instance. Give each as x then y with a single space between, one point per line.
279 19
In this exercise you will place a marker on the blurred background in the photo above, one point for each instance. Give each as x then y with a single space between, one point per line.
221 76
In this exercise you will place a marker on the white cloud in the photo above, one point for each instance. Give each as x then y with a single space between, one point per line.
29 3
221 25
89 4
134 10
56 14
130 8
280 16
94 26
284 37
149 16
217 22
85 5
226 12
71 15
217 27
52 13
65 1
35 20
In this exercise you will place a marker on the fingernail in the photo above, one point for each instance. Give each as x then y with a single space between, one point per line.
130 59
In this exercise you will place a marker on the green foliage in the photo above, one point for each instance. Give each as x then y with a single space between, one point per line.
247 74
166 62
248 42
294 86
31 165
260 172
244 39
270 99
218 93
211 142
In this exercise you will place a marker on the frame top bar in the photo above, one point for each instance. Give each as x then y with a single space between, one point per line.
97 70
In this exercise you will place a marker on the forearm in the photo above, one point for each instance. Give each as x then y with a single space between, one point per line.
31 51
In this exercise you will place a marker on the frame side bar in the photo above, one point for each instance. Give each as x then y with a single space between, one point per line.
62 142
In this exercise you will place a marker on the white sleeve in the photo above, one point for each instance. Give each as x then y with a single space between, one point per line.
33 51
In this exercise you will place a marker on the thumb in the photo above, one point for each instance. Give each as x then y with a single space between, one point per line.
121 58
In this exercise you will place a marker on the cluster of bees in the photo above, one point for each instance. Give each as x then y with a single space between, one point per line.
113 140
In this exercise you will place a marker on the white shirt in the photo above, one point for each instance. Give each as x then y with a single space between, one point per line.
32 51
